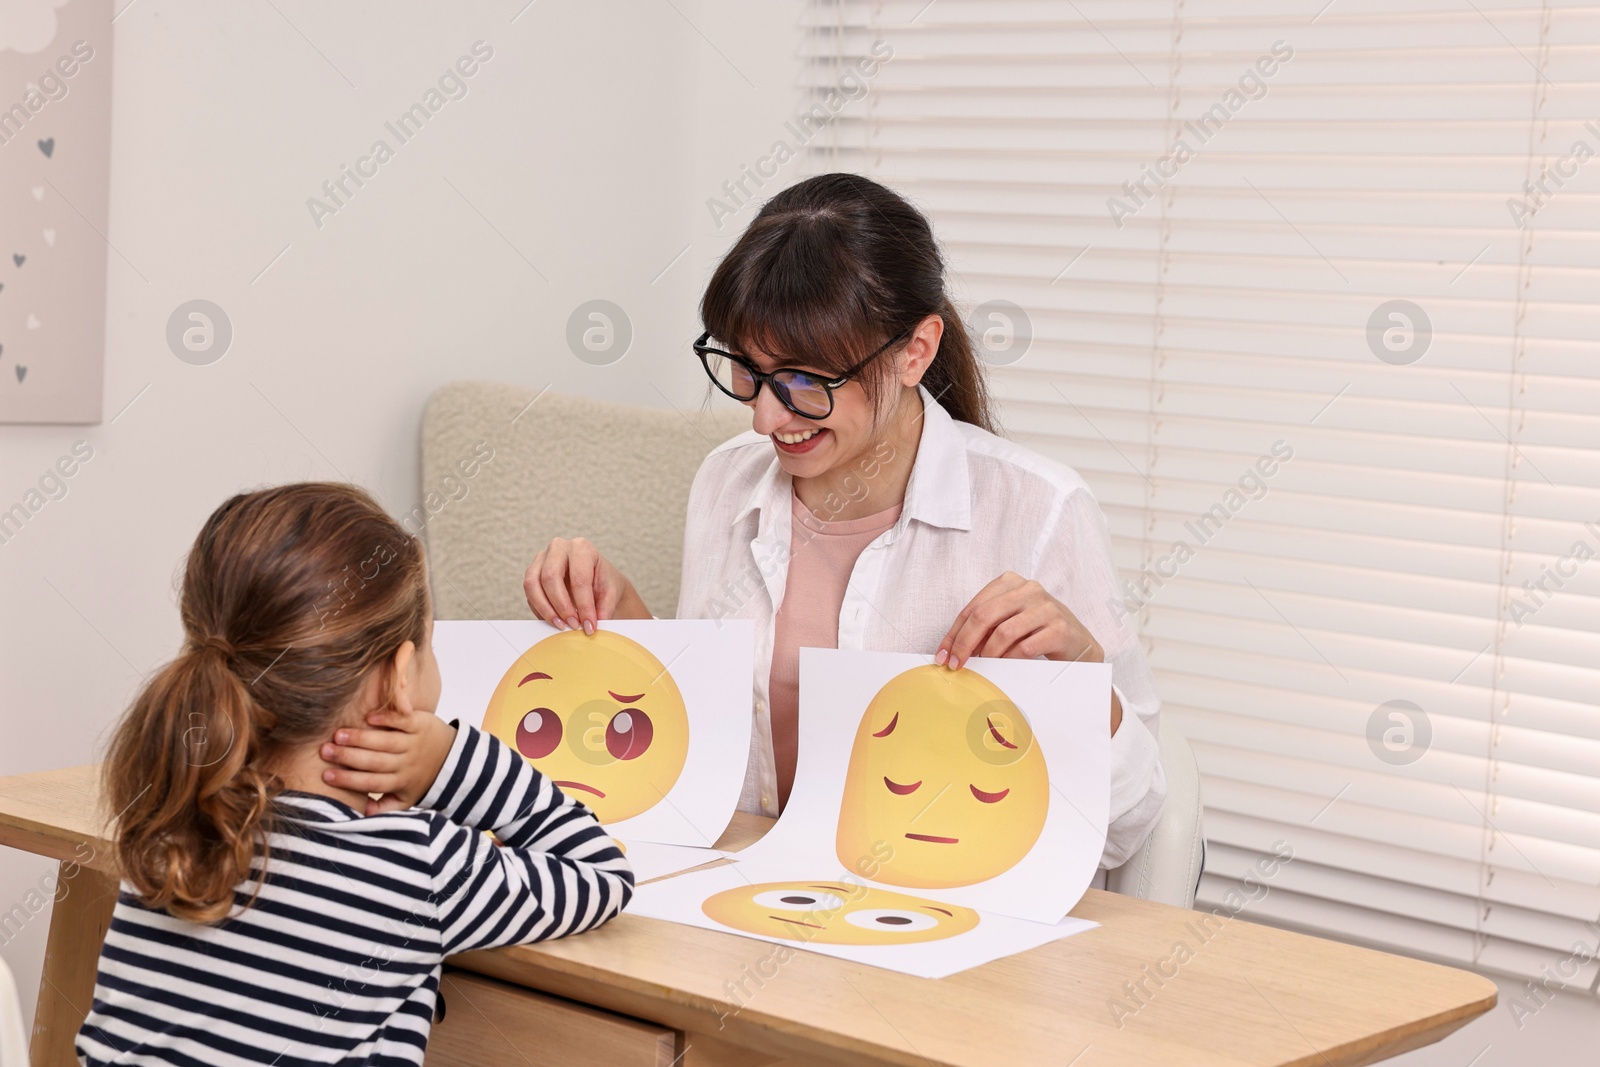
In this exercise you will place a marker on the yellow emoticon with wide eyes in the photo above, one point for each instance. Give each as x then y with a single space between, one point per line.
599 715
946 772
836 913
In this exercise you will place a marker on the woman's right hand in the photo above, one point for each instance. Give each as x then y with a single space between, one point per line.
570 585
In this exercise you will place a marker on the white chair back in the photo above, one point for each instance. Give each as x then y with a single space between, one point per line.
1167 868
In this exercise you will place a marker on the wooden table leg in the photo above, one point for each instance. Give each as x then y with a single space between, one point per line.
78 924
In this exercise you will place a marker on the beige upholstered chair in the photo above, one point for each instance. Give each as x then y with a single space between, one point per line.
619 475
562 466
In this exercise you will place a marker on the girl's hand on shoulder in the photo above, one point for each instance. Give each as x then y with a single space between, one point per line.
570 585
398 754
1017 618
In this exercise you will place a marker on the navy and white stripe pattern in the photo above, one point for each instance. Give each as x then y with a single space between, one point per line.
337 960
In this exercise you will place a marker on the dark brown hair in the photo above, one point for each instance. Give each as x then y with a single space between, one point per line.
830 269
291 597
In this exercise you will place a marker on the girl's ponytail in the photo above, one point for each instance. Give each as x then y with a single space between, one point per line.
193 802
291 597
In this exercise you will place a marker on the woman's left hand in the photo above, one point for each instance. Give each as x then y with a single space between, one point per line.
1017 618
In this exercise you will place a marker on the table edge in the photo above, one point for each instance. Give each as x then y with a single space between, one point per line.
526 966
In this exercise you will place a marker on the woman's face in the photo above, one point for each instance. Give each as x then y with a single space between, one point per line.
810 447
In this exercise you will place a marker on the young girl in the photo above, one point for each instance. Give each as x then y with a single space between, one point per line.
270 913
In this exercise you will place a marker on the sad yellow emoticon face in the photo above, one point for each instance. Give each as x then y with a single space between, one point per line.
836 913
945 770
599 715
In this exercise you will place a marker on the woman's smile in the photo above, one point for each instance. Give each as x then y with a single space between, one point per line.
799 442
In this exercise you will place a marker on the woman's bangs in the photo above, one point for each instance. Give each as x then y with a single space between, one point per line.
787 301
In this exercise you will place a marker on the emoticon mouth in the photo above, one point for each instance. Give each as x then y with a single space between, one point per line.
580 785
935 840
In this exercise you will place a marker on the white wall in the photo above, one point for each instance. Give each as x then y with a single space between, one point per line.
590 140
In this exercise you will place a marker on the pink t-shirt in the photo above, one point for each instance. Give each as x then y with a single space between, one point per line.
822 555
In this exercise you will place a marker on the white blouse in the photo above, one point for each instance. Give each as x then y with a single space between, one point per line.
976 506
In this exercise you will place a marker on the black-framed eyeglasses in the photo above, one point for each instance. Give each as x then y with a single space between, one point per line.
805 393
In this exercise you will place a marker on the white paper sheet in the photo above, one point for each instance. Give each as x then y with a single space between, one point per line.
647 721
987 787
896 931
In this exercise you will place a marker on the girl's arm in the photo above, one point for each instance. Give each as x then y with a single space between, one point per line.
557 873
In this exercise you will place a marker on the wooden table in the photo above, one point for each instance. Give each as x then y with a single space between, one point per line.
1250 995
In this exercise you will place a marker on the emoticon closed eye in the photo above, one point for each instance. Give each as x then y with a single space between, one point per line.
945 770
837 913
599 715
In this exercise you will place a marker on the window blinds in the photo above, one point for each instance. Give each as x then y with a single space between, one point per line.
1309 298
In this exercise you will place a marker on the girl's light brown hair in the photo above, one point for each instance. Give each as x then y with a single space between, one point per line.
291 597
833 267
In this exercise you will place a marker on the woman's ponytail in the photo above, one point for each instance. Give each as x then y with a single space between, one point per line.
291 598
955 378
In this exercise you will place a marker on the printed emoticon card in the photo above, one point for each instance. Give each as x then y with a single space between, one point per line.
843 917
987 787
647 722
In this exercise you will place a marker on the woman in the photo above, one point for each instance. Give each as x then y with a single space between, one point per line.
872 506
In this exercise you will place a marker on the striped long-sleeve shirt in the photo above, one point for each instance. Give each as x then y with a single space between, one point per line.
338 958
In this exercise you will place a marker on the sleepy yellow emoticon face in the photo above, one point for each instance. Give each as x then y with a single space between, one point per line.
946 772
836 913
599 715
